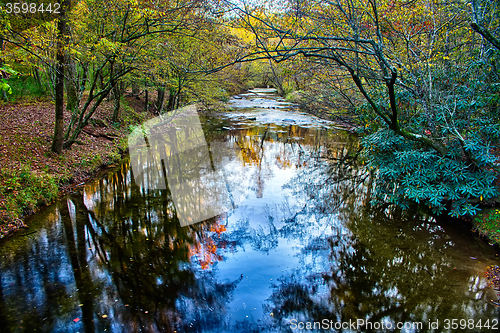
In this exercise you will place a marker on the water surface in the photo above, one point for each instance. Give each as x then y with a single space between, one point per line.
301 244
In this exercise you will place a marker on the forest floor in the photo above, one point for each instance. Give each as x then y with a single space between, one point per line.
31 175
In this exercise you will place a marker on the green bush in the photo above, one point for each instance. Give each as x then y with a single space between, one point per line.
463 117
24 86
405 173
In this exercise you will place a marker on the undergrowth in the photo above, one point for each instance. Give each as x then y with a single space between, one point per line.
21 191
488 225
25 88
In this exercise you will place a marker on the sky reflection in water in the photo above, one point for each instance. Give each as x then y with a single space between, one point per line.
301 244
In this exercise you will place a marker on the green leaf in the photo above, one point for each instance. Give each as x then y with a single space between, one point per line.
4 86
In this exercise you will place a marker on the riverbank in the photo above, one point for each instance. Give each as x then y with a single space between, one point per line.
32 176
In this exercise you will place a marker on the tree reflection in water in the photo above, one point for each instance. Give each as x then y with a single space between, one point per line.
375 267
302 244
147 253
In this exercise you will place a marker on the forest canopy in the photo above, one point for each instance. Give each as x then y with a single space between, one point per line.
419 79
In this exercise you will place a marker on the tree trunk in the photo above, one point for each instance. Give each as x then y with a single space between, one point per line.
178 94
72 99
171 99
36 75
100 82
2 48
178 98
146 102
117 97
84 119
118 88
160 100
71 90
276 80
135 89
58 140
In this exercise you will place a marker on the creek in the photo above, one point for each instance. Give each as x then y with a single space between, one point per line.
298 243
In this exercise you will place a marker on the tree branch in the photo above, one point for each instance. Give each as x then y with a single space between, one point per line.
486 34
